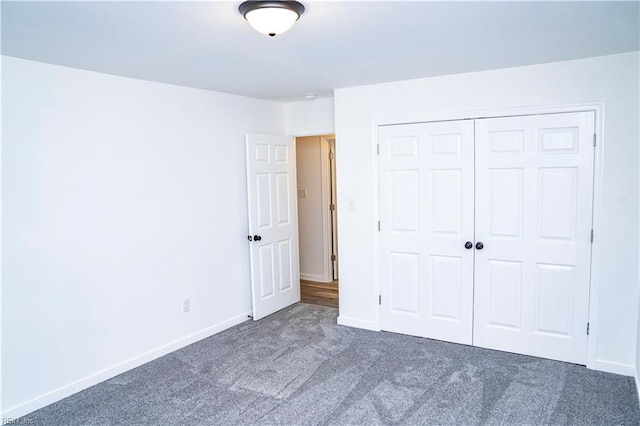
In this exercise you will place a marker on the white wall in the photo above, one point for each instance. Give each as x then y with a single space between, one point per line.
310 219
121 197
310 117
610 79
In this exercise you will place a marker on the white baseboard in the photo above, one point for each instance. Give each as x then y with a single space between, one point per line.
312 277
351 322
613 367
94 379
637 380
606 366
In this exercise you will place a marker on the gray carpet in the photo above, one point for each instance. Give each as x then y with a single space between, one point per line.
297 367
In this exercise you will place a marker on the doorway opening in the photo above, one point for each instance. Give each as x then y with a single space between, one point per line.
317 219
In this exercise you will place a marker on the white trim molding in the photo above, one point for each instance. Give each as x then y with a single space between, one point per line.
613 367
326 202
313 277
637 381
596 246
375 167
351 322
320 131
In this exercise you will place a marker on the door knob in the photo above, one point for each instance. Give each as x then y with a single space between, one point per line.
468 245
479 246
257 238
249 237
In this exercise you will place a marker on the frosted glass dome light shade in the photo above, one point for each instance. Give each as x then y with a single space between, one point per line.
271 17
271 21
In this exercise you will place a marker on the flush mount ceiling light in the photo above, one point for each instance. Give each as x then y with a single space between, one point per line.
271 17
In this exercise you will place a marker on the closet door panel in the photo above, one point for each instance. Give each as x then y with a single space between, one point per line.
534 186
426 213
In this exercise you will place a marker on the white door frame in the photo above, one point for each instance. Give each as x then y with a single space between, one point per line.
598 184
327 234
332 221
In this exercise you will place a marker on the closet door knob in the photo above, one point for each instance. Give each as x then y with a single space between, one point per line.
479 246
257 238
468 245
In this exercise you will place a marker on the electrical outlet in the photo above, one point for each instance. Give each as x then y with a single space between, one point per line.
186 305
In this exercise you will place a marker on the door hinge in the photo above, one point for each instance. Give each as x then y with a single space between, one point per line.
592 235
333 257
594 139
332 207
378 225
378 149
587 329
379 299
332 156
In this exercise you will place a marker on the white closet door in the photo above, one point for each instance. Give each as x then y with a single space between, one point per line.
426 212
534 180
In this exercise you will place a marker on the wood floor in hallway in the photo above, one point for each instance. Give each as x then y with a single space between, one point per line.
325 294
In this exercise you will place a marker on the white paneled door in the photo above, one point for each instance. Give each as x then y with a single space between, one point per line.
426 212
486 232
273 223
534 188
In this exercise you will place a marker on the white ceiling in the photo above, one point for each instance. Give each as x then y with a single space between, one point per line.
335 44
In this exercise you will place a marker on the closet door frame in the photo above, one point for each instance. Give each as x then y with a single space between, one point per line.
598 168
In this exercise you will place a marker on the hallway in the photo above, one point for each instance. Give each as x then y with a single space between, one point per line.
325 294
